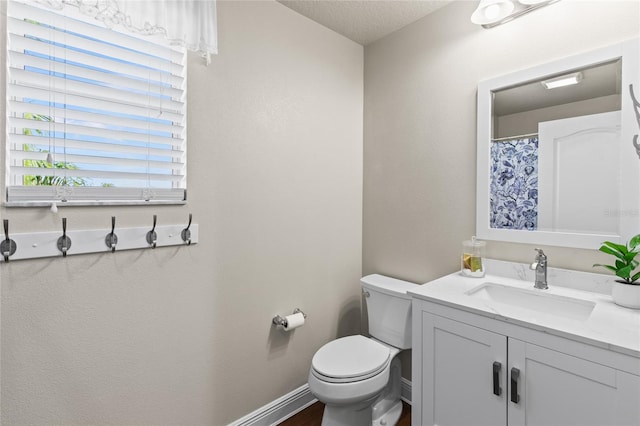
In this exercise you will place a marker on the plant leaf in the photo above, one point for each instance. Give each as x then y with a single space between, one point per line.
630 256
635 242
624 272
618 247
635 277
613 252
609 267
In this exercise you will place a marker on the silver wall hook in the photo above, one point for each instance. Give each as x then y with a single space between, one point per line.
186 233
7 246
111 239
636 109
64 242
152 236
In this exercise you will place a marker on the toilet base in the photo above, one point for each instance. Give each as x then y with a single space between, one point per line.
336 415
382 410
391 417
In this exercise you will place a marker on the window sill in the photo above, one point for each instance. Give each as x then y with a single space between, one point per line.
83 203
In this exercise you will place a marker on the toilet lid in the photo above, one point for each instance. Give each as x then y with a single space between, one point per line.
351 357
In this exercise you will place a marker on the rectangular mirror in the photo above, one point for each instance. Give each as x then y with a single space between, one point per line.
557 161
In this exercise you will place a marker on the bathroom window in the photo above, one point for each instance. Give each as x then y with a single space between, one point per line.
94 115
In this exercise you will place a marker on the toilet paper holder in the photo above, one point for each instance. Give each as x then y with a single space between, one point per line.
278 320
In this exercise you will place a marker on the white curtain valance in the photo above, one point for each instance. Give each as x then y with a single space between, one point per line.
188 23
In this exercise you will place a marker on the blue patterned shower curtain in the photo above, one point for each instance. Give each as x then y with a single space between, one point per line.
514 184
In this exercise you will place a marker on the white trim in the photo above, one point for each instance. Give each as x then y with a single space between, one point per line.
405 390
629 170
292 403
279 410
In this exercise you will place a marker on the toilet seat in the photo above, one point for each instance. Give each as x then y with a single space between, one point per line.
350 359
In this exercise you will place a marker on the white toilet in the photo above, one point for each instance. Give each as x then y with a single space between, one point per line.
357 377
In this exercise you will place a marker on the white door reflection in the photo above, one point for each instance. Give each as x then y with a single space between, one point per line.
579 179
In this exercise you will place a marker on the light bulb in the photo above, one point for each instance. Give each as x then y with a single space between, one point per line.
491 12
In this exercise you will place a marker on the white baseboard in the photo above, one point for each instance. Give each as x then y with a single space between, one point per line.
405 390
292 403
279 410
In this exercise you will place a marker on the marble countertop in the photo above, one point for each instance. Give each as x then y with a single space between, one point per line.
608 326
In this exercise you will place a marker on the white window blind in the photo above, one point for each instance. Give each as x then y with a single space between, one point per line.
94 115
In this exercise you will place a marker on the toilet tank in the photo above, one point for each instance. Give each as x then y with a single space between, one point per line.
388 309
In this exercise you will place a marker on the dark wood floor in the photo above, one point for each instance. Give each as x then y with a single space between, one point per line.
312 416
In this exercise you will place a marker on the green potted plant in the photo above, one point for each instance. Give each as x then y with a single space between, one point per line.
626 290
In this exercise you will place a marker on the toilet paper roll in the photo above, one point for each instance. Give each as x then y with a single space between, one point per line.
294 321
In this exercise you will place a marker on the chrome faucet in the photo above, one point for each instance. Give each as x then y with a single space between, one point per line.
540 266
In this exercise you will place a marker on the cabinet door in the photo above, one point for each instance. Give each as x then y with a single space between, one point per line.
554 388
458 374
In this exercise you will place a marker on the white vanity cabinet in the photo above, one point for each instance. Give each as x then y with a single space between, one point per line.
556 388
457 362
471 369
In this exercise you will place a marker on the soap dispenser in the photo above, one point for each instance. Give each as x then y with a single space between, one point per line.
472 264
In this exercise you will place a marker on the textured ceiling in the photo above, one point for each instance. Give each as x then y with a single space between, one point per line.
364 21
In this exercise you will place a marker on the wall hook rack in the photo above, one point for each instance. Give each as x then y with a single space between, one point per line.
64 242
111 239
186 233
33 245
7 246
152 236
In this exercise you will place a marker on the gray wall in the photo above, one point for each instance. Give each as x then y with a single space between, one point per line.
527 122
184 335
420 127
275 181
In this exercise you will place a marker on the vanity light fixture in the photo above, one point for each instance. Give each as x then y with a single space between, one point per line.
563 80
491 13
532 1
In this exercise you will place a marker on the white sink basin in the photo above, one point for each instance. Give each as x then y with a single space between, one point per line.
535 301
